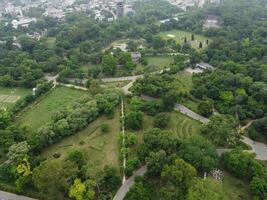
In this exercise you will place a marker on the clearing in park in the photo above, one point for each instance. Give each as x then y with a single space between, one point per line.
9 96
41 111
179 36
100 149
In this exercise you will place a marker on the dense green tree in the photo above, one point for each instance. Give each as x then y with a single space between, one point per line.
205 108
162 120
53 176
205 190
110 179
109 64
181 175
5 119
200 153
243 164
222 130
155 163
138 191
258 186
76 157
134 120
17 152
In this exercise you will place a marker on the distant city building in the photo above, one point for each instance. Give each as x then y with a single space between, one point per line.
24 22
186 4
120 8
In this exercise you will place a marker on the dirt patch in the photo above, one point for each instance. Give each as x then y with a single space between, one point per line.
171 36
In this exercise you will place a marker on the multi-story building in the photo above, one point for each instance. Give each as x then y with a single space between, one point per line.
120 8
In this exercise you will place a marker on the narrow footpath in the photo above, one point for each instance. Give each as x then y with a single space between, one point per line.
123 140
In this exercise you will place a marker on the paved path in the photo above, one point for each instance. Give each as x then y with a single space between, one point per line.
74 86
258 148
184 110
10 196
129 183
190 113
119 79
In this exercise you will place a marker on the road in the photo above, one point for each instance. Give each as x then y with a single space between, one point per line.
10 196
129 183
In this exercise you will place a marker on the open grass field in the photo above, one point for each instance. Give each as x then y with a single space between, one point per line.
179 36
9 96
180 125
99 148
161 61
184 82
40 113
235 189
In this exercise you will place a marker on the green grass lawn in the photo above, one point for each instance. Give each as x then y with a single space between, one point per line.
182 126
184 82
85 68
235 189
9 96
160 61
155 63
99 148
40 113
51 41
180 35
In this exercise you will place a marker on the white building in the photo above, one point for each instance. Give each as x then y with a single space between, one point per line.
24 22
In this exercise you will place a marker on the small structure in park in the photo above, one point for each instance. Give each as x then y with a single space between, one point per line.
136 56
34 91
212 21
199 68
217 174
204 66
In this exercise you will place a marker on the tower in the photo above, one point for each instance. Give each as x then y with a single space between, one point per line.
120 8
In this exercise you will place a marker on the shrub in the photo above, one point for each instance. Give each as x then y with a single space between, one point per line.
162 120
77 157
131 165
134 120
105 128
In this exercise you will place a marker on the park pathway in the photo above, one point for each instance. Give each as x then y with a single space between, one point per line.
123 140
10 196
129 183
